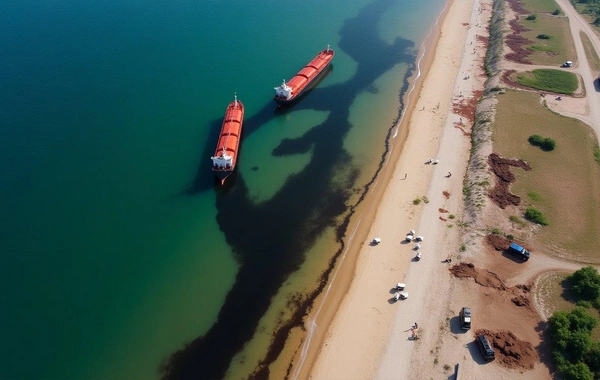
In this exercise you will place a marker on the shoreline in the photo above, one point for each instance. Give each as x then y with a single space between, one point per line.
319 321
351 336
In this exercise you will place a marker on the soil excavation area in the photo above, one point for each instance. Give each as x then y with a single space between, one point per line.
511 352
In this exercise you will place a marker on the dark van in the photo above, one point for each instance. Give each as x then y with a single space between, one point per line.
485 348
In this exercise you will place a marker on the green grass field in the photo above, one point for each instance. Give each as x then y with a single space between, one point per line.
540 6
590 52
554 51
560 82
565 180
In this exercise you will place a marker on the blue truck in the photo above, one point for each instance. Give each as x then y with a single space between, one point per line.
519 251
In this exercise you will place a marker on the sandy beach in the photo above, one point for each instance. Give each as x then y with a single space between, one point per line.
369 336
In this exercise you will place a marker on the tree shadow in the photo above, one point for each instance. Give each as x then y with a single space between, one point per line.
544 348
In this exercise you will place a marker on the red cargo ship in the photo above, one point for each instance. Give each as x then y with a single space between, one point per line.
287 92
226 152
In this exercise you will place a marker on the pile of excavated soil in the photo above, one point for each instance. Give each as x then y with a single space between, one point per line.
521 295
481 276
500 243
515 41
511 352
501 168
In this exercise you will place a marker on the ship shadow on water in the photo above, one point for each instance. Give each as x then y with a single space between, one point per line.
260 235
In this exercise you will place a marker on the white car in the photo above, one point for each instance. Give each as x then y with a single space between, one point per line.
400 296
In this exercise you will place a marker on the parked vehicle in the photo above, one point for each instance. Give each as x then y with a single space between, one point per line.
567 64
465 318
519 251
400 296
485 348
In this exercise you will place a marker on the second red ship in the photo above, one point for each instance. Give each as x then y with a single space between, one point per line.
288 92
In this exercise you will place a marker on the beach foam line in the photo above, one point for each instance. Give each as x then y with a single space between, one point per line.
312 324
423 51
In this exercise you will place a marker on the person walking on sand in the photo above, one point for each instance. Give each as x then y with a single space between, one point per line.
405 174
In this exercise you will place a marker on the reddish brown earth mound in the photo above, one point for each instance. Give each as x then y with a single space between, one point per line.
481 276
511 352
500 243
501 168
466 107
446 194
517 7
443 210
521 301
515 41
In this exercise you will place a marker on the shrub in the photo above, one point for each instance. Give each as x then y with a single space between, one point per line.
515 219
451 216
536 140
543 36
556 12
495 231
549 144
536 216
578 371
425 199
531 17
534 196
417 201
546 144
585 283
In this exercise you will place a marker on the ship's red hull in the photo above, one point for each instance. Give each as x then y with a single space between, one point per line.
226 152
307 76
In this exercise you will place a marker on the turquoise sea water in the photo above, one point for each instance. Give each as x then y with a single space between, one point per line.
114 240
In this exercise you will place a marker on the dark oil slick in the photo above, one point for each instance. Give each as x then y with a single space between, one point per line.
284 228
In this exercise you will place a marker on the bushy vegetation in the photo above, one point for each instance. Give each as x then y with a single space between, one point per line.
531 17
576 354
534 196
515 219
557 81
585 283
534 215
590 7
543 36
417 201
556 12
546 143
597 154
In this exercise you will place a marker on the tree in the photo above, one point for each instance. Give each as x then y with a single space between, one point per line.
578 371
585 283
593 358
580 343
